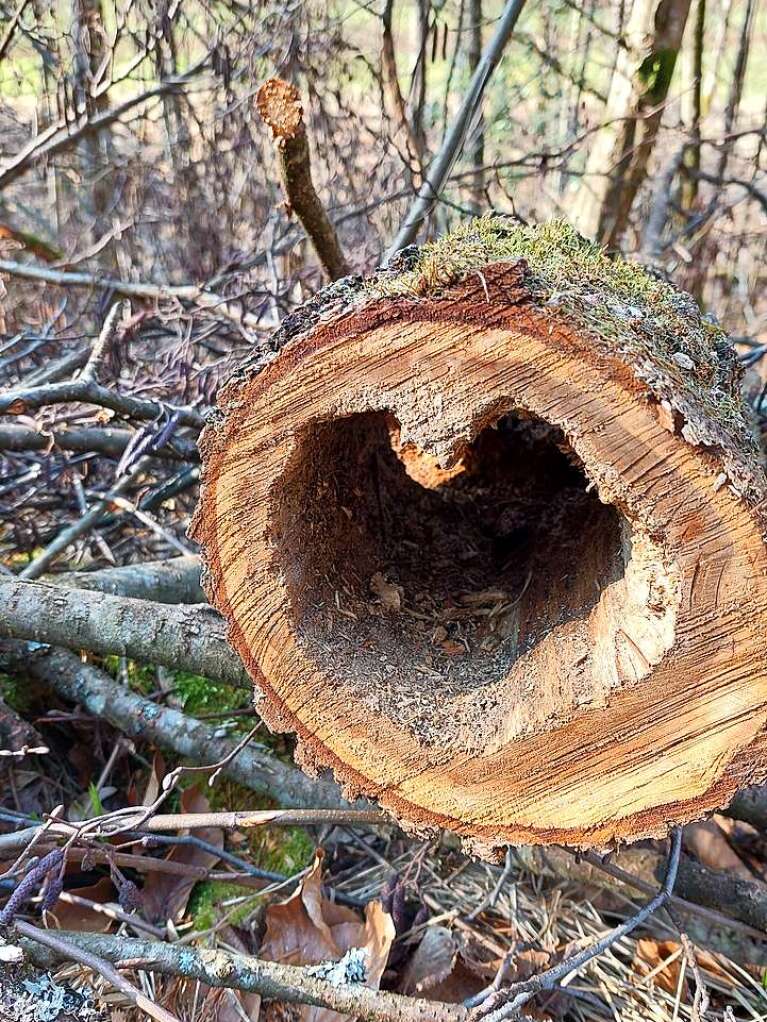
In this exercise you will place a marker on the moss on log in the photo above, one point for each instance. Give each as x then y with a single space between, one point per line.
488 530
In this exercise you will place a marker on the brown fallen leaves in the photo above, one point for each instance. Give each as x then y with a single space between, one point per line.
309 928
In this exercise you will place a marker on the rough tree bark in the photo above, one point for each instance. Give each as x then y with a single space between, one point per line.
488 533
176 580
617 163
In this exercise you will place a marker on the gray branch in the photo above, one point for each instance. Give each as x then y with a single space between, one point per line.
101 440
176 580
453 142
179 637
274 981
140 718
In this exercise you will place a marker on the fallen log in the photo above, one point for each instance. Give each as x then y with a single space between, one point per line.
488 531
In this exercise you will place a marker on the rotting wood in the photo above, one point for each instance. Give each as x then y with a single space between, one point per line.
488 532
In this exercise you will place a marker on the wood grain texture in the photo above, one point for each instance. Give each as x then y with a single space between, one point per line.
629 690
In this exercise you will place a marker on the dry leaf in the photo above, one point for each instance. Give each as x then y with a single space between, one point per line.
433 961
154 783
708 842
80 917
389 594
165 895
649 956
309 928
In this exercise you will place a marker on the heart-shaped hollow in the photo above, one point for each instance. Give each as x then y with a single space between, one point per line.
470 560
487 601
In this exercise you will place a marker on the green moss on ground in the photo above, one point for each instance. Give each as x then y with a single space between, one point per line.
198 695
280 849
142 678
206 904
15 693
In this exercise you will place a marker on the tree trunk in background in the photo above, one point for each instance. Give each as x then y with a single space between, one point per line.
89 46
394 102
617 164
167 66
711 82
736 90
691 158
418 82
477 139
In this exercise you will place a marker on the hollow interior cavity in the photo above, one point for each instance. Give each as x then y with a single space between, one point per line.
417 584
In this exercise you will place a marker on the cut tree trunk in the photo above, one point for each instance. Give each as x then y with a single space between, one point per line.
488 532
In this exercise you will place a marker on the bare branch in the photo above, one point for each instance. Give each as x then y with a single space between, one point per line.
101 440
519 994
22 400
455 137
176 580
183 638
109 332
60 135
280 107
274 981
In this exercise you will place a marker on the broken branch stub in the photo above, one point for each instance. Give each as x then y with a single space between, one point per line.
488 529
279 105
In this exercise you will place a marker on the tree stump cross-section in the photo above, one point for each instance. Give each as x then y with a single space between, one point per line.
488 530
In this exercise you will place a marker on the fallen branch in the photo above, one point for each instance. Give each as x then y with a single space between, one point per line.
83 525
110 331
279 104
175 580
111 442
22 400
18 738
140 718
217 968
750 806
183 638
718 898
67 950
121 822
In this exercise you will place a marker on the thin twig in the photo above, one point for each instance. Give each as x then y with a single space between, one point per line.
279 104
92 369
